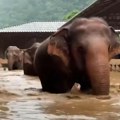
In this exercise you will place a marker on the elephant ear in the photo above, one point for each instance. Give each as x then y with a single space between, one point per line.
63 31
58 45
114 48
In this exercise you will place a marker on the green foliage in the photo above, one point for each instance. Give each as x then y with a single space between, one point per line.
14 12
71 14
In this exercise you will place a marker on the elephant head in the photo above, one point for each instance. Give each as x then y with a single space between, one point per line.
28 58
14 56
93 41
87 44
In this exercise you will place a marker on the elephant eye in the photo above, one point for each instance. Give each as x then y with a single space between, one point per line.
15 55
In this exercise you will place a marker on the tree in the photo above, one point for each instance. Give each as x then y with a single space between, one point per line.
71 14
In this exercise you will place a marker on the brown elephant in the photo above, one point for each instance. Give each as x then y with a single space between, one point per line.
54 72
28 58
15 58
79 52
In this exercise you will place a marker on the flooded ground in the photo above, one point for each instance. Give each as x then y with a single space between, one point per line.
21 99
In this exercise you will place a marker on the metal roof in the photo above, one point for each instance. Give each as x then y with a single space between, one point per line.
35 27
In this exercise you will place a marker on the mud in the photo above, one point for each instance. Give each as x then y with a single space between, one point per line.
22 99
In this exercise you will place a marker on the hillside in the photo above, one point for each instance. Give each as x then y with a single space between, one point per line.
14 12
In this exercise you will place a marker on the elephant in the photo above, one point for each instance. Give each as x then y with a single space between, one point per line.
28 58
78 52
54 72
15 58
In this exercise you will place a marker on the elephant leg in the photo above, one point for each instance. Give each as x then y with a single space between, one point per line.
53 78
29 69
44 81
79 70
85 83
16 65
55 82
98 70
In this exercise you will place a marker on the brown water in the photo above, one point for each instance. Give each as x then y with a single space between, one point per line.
21 99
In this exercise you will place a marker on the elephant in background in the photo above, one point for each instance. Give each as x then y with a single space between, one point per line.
14 56
79 52
28 58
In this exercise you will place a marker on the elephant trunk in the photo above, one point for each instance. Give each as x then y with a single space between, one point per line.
97 66
99 76
10 63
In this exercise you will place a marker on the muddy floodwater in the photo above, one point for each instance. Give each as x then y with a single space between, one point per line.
22 99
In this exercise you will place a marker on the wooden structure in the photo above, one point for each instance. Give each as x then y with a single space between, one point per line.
23 36
20 39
